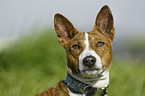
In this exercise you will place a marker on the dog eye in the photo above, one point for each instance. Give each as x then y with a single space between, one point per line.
100 44
76 46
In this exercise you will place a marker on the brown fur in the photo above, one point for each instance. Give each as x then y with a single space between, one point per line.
73 54
105 51
60 90
69 36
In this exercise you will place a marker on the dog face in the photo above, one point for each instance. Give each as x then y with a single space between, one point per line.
88 53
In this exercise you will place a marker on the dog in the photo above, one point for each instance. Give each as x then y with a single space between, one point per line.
89 56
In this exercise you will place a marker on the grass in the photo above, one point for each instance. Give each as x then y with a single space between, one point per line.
38 62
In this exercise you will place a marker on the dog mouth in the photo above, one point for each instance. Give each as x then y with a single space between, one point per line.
91 69
91 72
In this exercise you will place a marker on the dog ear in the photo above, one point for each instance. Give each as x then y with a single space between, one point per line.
64 29
104 22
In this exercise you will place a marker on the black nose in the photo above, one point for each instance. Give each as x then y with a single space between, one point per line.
89 61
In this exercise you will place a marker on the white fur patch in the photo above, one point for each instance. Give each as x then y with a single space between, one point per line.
87 52
74 94
103 81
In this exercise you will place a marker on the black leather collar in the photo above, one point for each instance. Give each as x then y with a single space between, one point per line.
79 87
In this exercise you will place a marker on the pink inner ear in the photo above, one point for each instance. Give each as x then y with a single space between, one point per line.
64 28
104 22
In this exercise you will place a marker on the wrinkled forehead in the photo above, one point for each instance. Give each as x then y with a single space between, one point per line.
81 36
97 36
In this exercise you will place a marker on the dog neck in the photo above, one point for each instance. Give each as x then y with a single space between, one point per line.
99 81
86 86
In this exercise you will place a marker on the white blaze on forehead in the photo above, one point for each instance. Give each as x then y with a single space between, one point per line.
86 41
87 52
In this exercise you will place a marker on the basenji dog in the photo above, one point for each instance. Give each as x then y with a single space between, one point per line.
89 56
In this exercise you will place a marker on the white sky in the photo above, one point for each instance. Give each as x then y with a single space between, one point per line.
18 16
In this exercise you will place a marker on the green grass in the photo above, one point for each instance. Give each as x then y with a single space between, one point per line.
38 62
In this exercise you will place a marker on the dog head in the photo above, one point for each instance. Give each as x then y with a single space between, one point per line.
88 53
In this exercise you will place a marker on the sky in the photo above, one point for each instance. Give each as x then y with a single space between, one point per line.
17 17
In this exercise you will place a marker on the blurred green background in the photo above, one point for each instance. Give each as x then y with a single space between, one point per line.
37 61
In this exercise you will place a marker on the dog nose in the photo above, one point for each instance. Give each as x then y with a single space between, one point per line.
89 61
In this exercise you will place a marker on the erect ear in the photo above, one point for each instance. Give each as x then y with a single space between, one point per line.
104 22
64 29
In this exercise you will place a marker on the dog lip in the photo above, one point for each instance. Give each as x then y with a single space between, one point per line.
91 69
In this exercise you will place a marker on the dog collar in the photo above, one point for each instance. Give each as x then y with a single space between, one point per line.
79 87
